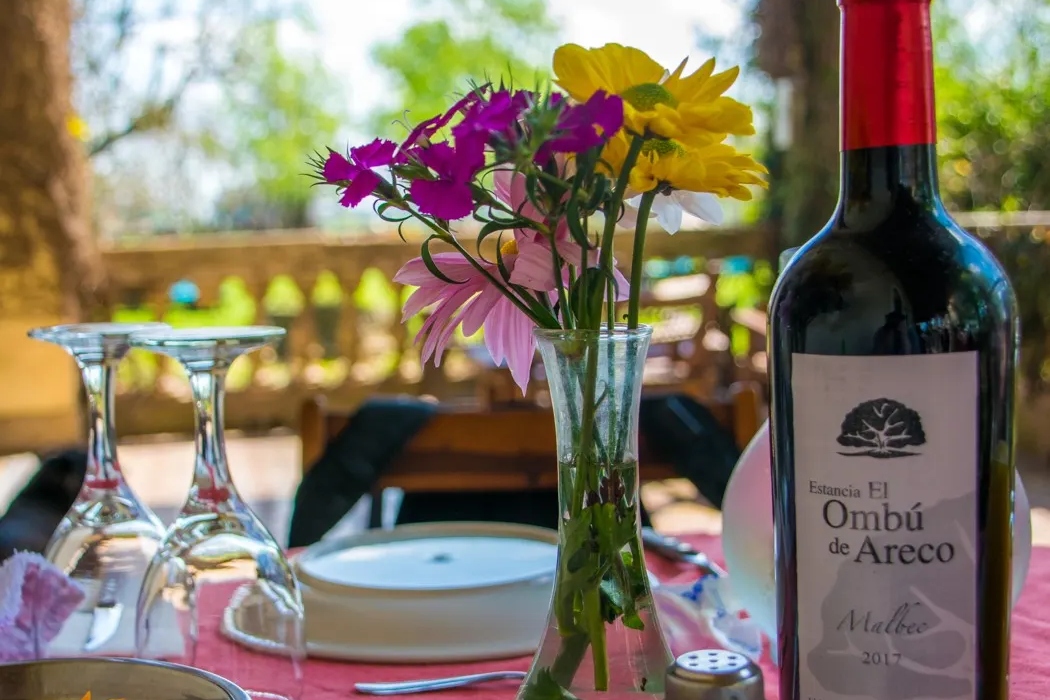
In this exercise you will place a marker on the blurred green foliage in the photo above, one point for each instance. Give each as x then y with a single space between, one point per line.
280 107
993 94
456 42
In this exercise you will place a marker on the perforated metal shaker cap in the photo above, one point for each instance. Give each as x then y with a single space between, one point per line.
714 674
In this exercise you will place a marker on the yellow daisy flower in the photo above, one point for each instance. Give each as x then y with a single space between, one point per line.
657 102
717 168
688 180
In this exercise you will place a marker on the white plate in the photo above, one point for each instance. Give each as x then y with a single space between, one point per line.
436 592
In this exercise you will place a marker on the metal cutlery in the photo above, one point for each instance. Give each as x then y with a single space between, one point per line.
432 684
105 617
677 550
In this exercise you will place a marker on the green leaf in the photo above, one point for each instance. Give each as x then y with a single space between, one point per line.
585 163
614 532
532 186
586 296
498 225
584 566
614 599
544 687
633 621
503 269
579 559
599 191
576 229
428 260
554 185
577 545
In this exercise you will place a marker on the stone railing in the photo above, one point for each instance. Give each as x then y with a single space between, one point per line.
704 294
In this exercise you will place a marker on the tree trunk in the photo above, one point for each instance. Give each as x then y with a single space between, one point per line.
49 261
800 43
50 267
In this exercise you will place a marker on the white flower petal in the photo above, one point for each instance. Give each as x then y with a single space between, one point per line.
702 205
668 213
630 215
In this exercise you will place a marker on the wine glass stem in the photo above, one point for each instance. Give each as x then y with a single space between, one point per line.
211 477
103 470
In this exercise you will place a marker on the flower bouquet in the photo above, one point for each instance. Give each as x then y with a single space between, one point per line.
547 177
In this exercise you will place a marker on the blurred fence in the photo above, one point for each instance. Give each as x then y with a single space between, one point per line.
705 294
336 297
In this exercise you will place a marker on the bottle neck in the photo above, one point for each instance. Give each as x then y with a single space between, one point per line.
887 105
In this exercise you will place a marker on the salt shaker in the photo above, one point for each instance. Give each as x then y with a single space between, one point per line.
714 674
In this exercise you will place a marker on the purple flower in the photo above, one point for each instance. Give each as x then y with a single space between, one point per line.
356 174
420 136
449 195
496 116
584 126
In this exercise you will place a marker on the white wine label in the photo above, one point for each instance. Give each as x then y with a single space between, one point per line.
886 525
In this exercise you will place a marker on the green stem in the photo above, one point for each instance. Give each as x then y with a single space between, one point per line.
552 179
534 225
570 656
612 211
637 261
611 214
563 298
584 452
592 605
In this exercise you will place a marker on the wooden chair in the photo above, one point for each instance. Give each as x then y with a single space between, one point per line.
480 449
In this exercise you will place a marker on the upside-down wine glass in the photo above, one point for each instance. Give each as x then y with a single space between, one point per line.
219 594
108 536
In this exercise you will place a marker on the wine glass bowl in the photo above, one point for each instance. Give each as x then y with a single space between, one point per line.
219 592
108 536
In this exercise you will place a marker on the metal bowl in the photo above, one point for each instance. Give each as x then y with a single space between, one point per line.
112 679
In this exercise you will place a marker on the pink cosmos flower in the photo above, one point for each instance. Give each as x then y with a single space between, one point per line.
358 171
474 303
534 266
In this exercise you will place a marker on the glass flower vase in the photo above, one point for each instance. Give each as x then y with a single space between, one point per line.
603 638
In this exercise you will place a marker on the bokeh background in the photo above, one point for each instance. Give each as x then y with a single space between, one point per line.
152 160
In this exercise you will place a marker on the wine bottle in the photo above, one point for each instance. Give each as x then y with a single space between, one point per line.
893 340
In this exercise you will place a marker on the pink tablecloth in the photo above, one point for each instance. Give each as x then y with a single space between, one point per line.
1030 667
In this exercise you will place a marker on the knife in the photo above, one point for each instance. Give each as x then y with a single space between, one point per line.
677 550
105 618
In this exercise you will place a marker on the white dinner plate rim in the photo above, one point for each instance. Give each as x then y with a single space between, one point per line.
404 533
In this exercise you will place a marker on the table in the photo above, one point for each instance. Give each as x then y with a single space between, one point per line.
1030 666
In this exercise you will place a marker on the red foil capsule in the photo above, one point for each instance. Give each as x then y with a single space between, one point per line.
887 74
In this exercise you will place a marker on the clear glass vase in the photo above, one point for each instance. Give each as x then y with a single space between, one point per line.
603 637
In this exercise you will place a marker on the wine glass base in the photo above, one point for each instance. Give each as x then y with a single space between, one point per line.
213 574
108 563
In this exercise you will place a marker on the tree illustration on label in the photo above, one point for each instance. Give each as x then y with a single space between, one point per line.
898 622
881 428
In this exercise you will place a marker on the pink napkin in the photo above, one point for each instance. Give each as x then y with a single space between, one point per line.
36 599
